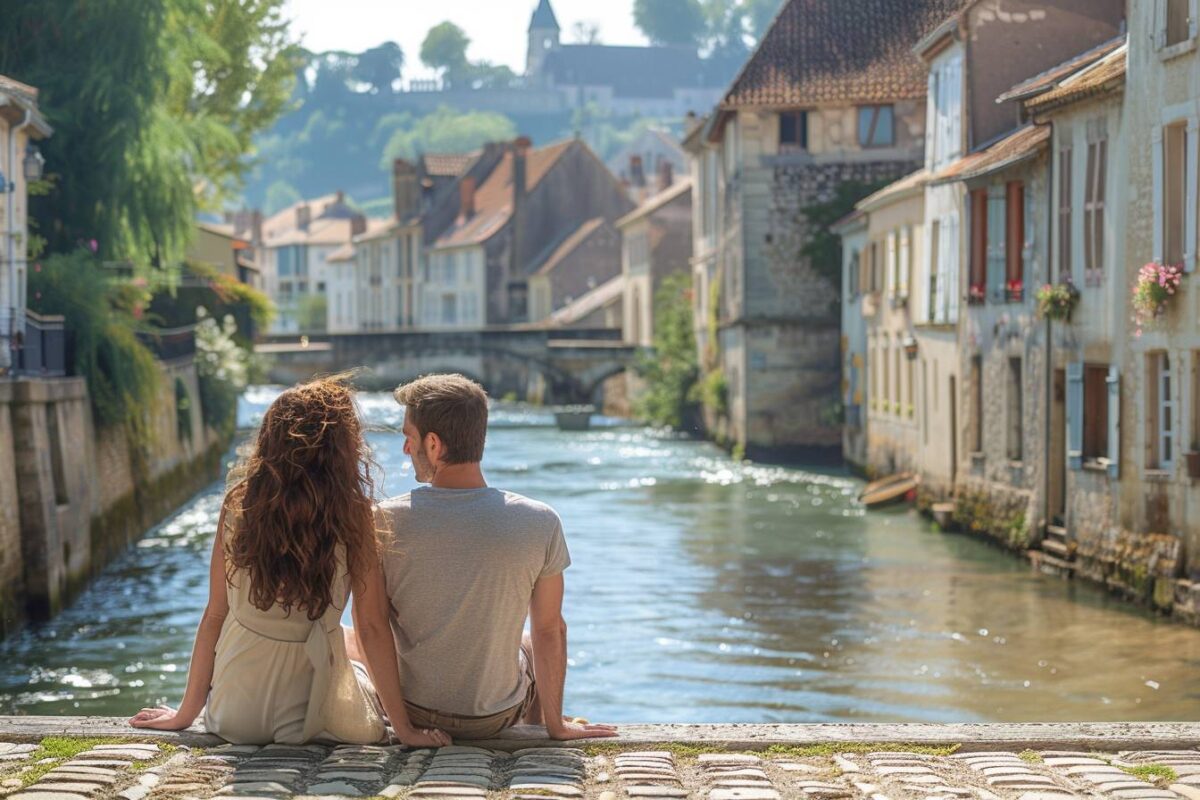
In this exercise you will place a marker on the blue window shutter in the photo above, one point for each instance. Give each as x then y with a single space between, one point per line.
1114 422
1075 415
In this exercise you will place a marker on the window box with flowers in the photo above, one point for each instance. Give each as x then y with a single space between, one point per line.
1014 292
1057 301
976 296
1156 284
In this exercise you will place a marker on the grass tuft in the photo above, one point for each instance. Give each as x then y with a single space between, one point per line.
1030 757
680 749
60 749
1154 773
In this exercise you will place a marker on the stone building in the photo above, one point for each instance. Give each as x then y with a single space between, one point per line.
656 241
589 257
21 125
510 218
649 81
831 104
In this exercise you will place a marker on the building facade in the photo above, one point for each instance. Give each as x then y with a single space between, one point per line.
656 242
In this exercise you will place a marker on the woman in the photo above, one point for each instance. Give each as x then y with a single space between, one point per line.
296 534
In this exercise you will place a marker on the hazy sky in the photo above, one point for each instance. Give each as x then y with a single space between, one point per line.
497 28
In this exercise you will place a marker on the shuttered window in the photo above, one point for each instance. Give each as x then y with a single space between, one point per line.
1093 212
1015 240
1174 193
1065 267
979 236
997 251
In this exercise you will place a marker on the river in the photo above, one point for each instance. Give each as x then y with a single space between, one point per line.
701 591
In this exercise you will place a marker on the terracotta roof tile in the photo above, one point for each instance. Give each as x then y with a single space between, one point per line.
493 199
1096 78
852 51
1018 146
1052 77
448 165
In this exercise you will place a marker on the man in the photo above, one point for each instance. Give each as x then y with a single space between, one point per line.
465 565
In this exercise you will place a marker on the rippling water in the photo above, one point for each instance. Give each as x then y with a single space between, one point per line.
701 591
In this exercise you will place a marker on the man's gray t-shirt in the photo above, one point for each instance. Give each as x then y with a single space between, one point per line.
460 567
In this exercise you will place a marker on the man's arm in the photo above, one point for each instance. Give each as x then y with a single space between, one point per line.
548 632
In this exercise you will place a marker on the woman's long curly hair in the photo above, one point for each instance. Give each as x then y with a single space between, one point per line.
304 491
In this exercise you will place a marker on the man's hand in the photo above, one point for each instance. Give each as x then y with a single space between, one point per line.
160 719
423 737
575 728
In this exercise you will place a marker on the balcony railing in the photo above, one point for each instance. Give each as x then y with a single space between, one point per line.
169 344
41 350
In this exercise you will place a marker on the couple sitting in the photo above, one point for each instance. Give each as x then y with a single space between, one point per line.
442 579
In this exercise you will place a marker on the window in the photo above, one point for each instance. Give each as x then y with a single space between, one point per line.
910 408
906 260
1093 211
1177 23
793 130
1064 213
997 252
449 309
1174 189
977 403
876 126
1016 412
1095 412
892 265
896 394
944 120
935 232
853 277
874 267
887 379
873 389
1160 404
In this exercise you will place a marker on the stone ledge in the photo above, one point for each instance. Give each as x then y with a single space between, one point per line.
970 737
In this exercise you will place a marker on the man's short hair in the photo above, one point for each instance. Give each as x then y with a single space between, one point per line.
453 407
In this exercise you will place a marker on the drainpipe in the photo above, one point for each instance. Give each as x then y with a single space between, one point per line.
6 337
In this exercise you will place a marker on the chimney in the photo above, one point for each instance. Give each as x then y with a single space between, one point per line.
358 225
637 175
520 152
405 192
666 174
466 197
303 216
341 197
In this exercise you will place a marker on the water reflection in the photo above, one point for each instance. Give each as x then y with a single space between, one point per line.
701 591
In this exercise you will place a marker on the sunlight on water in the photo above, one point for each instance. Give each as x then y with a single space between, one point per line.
701 590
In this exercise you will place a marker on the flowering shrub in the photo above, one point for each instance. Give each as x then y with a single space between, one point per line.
1155 285
223 368
1057 301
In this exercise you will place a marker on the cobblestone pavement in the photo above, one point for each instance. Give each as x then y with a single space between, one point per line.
65 769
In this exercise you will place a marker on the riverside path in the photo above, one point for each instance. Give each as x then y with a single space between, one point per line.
98 759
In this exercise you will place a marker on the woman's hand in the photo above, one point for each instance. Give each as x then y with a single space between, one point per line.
423 737
162 718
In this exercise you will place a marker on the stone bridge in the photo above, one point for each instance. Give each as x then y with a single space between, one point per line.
550 366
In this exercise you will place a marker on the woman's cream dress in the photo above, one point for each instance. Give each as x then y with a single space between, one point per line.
280 677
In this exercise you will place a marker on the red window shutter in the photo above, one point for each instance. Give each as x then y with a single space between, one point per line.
1015 236
979 235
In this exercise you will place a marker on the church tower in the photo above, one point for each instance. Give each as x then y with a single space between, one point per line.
543 38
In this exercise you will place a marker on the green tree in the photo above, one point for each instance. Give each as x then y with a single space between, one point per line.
726 23
671 371
149 99
678 22
380 67
445 49
447 131
824 247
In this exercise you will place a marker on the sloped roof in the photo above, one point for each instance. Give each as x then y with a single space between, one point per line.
1096 78
1021 145
377 227
493 198
25 97
655 202
823 51
1045 81
894 191
606 293
568 245
631 71
319 232
285 220
543 18
341 255
447 165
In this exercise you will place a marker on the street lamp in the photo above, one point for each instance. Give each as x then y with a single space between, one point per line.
33 163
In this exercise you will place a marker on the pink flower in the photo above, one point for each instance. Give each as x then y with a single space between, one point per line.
93 245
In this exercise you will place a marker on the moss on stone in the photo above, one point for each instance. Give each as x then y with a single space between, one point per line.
834 748
54 750
1030 756
1154 773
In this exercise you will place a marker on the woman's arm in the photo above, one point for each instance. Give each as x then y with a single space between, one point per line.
371 621
204 652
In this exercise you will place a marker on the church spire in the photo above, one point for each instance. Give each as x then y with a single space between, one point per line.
543 18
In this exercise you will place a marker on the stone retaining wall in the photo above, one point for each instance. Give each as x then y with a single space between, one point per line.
72 496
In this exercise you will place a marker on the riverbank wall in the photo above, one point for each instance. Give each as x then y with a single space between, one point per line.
72 495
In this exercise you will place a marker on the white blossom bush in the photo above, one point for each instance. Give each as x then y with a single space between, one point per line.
223 368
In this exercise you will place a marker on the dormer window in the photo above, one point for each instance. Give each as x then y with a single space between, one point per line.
793 130
876 126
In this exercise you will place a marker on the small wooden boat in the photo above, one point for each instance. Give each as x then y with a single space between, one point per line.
889 490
